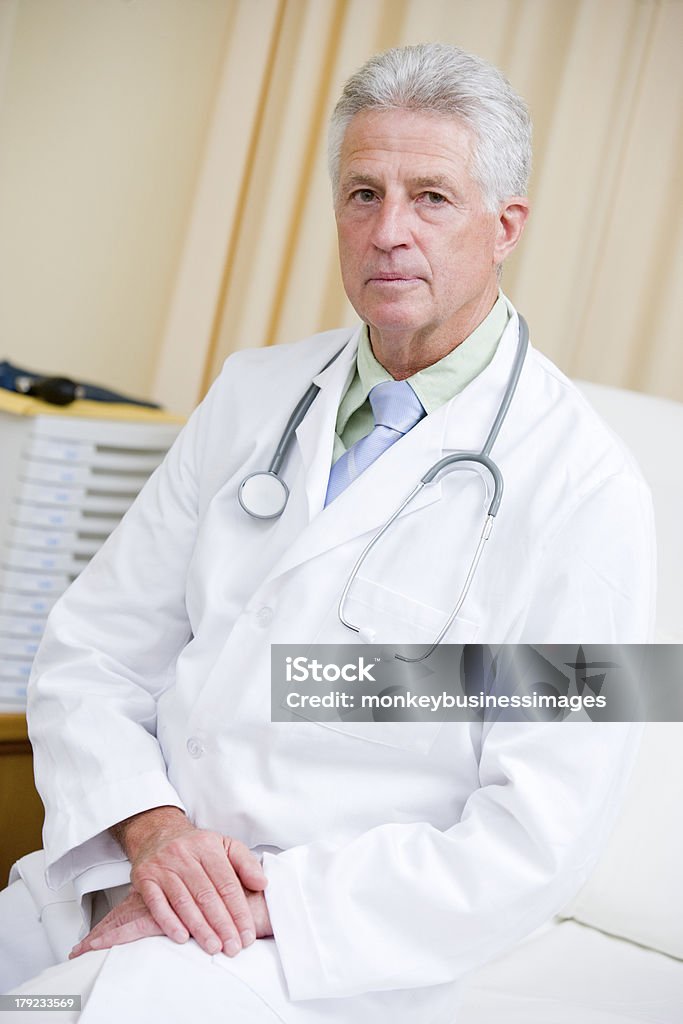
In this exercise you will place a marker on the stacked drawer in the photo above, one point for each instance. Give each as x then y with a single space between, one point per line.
65 482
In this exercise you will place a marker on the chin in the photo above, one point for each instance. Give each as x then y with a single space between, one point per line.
393 319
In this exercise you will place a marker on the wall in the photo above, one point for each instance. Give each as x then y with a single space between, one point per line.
103 116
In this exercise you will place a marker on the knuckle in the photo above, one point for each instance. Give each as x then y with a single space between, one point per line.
143 877
241 916
182 901
152 898
205 897
174 854
229 890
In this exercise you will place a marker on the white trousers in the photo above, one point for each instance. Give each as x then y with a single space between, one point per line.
113 987
79 980
24 944
155 980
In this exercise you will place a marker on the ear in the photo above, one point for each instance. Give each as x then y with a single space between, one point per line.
512 217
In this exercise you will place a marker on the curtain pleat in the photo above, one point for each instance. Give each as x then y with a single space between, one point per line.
598 269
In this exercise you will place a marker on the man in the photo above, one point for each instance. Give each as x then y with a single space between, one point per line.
347 871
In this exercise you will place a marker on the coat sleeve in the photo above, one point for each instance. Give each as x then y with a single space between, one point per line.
108 653
408 905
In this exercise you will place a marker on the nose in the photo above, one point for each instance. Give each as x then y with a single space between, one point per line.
392 226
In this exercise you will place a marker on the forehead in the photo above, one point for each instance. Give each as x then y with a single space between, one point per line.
408 140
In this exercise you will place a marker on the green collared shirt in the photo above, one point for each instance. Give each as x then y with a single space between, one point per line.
434 386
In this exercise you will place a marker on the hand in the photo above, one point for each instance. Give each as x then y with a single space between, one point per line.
191 880
131 920
259 909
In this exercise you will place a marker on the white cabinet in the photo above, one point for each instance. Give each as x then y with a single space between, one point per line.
65 482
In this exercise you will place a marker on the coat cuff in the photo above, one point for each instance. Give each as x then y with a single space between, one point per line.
87 844
303 968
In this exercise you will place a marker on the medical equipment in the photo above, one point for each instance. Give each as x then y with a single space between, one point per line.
264 494
60 390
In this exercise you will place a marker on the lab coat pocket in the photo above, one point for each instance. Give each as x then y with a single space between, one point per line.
389 621
386 616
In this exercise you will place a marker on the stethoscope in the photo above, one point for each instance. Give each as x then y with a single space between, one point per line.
264 494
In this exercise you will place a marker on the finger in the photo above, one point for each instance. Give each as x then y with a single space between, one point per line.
232 895
219 899
194 903
161 910
84 945
132 915
246 864
131 908
180 894
118 935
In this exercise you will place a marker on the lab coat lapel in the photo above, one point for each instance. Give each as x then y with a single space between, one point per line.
370 500
461 424
315 435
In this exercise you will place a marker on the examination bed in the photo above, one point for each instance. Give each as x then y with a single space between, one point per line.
615 954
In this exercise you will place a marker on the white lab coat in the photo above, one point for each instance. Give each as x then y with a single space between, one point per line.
410 852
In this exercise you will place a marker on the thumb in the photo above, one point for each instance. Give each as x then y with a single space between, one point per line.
245 864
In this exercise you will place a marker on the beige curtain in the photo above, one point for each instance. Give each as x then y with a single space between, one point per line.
597 272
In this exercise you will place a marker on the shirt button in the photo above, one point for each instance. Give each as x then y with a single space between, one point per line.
264 617
194 747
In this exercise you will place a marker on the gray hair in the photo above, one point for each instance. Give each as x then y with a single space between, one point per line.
443 80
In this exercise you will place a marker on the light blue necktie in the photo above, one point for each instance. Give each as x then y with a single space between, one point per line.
396 409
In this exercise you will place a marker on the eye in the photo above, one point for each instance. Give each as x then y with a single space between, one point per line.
434 198
363 195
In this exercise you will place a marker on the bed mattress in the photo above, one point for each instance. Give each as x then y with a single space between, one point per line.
572 974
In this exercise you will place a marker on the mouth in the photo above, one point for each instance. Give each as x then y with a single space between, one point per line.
393 279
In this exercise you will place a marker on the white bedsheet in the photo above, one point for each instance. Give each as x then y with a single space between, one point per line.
572 974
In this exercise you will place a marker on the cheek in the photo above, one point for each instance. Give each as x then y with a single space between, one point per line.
350 253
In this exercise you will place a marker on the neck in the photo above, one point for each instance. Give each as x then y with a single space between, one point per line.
403 353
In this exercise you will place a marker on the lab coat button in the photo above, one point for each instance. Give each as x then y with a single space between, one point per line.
194 747
264 617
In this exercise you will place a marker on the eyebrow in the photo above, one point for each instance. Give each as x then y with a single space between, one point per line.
423 181
360 179
433 181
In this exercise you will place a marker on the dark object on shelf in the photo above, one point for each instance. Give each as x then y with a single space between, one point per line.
59 390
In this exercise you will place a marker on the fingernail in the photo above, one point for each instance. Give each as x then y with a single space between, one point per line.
95 943
247 938
180 936
213 946
231 948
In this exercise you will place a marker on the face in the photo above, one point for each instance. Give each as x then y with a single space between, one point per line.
418 251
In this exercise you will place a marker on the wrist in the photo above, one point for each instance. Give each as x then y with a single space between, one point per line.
135 833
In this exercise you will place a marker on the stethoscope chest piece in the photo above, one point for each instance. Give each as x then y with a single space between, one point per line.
263 495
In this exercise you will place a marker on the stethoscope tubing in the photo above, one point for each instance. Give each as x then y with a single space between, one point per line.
295 420
482 458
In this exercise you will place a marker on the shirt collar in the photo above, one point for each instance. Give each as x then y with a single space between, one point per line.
438 383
